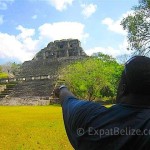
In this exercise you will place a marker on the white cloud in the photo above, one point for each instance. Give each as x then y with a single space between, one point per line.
21 47
4 4
60 5
1 20
123 46
108 50
63 30
122 49
34 17
116 26
88 9
25 33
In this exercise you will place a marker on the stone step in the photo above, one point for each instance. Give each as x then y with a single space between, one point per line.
33 88
8 90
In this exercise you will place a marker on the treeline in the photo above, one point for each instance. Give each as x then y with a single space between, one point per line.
94 78
9 70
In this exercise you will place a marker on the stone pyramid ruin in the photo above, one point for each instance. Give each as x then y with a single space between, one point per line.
38 76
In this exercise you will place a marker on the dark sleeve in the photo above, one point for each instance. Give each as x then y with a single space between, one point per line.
78 114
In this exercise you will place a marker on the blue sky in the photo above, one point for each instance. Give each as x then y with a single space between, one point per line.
26 26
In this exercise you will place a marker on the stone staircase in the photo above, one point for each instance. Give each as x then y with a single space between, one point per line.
9 87
33 88
33 92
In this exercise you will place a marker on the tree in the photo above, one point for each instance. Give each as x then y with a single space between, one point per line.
104 57
11 68
15 68
138 27
122 59
94 77
6 67
3 75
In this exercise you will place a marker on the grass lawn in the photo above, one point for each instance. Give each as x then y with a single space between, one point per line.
32 128
3 75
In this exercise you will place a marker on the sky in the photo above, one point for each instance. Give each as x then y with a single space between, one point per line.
27 26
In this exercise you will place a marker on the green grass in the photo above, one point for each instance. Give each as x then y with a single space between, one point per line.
32 128
3 75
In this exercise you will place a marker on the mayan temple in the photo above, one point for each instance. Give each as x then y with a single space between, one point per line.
49 59
38 76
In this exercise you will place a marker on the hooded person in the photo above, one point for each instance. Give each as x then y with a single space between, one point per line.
134 86
126 125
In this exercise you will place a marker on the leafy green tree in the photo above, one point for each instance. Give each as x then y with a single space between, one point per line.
94 77
11 68
138 27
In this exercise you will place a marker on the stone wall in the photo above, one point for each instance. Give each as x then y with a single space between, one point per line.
24 101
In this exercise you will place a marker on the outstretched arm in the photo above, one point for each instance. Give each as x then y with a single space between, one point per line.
77 114
63 93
